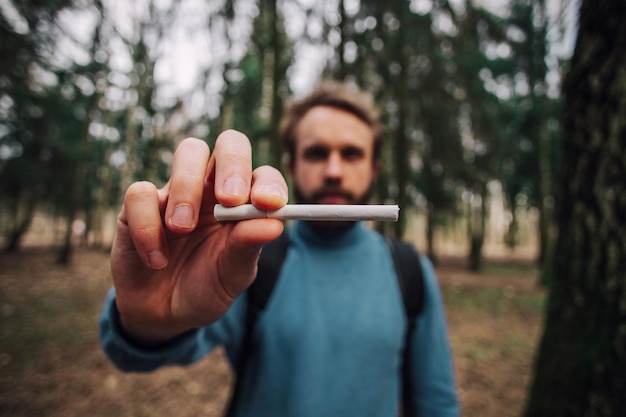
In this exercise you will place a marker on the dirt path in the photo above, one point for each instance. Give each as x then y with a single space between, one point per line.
51 363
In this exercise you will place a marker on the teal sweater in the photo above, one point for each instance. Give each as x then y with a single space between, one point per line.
330 340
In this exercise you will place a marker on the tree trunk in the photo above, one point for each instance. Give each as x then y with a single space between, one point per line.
430 233
401 141
341 48
277 76
21 224
546 212
477 217
76 186
511 239
64 257
581 364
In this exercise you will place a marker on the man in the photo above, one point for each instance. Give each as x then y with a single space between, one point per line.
330 341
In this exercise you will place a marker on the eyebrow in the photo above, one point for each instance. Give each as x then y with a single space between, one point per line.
316 151
322 151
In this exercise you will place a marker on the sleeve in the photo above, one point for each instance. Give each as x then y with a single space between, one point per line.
185 349
432 370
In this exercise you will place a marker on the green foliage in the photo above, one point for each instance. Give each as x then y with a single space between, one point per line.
39 119
448 78
257 84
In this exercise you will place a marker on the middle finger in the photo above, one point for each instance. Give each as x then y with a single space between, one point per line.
233 168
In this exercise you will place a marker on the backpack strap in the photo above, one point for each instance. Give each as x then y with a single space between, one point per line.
269 265
410 277
411 281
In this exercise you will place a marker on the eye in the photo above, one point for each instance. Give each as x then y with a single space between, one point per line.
316 153
352 153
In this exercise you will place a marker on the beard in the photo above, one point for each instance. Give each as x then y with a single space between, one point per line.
318 196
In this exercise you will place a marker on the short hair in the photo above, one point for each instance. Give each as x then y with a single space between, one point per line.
340 95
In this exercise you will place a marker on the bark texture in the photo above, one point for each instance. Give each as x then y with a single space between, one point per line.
581 363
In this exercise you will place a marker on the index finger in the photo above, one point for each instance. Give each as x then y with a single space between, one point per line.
186 185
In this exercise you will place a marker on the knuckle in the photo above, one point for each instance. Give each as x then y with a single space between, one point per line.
145 231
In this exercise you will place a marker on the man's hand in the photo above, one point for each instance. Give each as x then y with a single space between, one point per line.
174 267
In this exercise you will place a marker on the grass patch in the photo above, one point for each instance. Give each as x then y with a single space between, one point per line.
495 302
510 270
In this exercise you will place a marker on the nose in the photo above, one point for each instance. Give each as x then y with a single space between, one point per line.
334 166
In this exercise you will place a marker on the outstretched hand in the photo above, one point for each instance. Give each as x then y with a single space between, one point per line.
174 266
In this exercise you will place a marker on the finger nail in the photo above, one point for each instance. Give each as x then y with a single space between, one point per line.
182 217
235 186
274 190
157 260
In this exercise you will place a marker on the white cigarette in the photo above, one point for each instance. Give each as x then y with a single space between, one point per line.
317 212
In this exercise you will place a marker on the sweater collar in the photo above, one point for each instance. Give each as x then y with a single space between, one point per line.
329 237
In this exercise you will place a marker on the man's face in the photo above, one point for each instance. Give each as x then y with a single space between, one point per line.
333 161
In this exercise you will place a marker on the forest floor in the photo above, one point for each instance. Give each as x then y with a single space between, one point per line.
51 364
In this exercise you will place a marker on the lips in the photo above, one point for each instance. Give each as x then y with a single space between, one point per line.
334 199
334 196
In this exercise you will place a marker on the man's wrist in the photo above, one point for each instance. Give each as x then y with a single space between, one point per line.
146 336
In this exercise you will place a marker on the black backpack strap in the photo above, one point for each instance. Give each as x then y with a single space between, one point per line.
269 265
411 282
410 277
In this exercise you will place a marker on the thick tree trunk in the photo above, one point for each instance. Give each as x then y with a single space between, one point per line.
581 364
